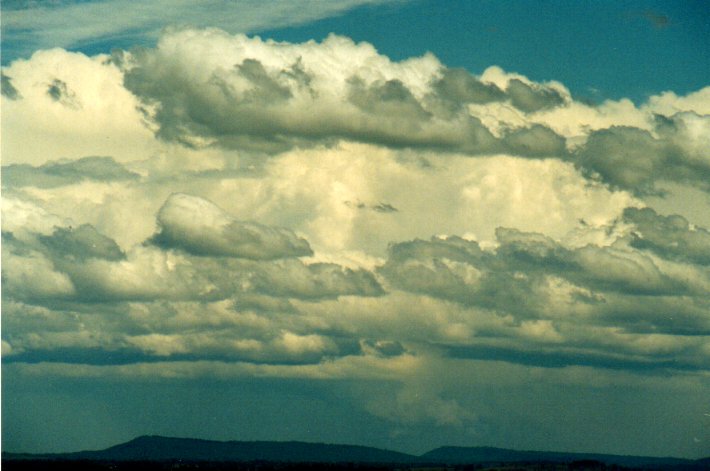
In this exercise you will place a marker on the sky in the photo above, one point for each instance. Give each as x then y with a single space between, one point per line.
402 224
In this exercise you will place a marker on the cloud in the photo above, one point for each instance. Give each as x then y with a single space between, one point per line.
532 97
59 92
525 273
82 243
28 274
235 97
626 157
458 87
251 237
220 258
67 106
635 159
317 280
534 141
68 172
254 94
200 227
670 237
29 26
8 90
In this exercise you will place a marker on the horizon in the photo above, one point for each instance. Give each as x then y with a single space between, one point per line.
398 223
344 444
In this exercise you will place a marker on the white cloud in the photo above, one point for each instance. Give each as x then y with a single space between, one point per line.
103 120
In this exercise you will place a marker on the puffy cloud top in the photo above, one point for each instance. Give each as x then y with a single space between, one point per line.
200 227
208 87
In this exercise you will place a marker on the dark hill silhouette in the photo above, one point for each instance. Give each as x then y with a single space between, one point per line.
156 448
164 449
458 455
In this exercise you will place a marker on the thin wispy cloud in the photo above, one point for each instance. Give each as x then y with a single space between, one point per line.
28 26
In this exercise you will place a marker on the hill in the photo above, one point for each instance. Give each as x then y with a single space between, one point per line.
156 448
458 455
164 449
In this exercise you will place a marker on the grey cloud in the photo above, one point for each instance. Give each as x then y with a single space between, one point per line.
82 243
267 354
534 141
384 208
149 307
265 89
167 331
216 109
83 266
150 275
272 109
599 268
625 157
533 301
532 97
390 98
199 227
262 303
458 270
670 237
388 348
59 92
392 116
684 316
512 278
29 274
595 357
223 259
379 207
8 89
291 278
633 159
458 86
206 345
60 173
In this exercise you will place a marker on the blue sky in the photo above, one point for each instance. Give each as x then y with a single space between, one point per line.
403 224
598 49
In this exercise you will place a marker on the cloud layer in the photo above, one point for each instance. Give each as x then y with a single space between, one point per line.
230 207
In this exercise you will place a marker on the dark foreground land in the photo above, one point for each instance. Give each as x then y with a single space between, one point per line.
90 465
166 453
86 465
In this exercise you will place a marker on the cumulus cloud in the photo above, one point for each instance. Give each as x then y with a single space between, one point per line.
28 274
317 280
79 107
253 94
82 243
670 237
200 227
83 265
458 87
67 172
527 271
516 219
674 149
7 89
532 97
